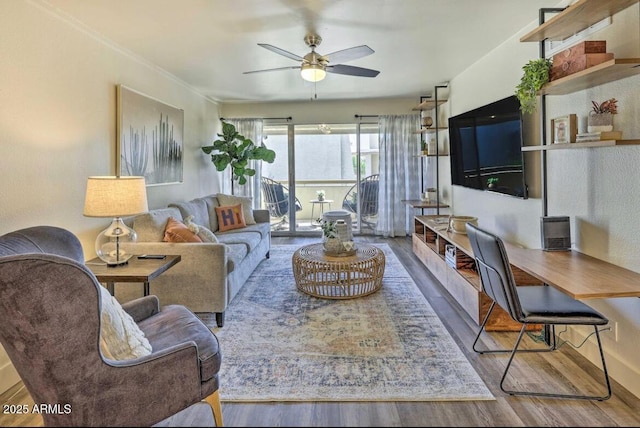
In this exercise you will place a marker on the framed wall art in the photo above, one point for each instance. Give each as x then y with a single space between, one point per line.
150 138
564 129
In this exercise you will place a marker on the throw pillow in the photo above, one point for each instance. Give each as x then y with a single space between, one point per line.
230 217
120 336
246 201
202 232
177 231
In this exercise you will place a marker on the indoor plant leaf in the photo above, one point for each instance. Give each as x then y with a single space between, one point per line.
236 150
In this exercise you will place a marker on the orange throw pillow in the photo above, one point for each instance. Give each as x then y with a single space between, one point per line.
177 231
230 217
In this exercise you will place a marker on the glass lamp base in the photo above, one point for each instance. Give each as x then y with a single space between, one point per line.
109 243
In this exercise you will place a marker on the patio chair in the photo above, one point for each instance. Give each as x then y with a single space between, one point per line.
276 199
368 190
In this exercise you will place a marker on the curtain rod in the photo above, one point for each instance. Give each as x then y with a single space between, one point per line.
360 116
269 118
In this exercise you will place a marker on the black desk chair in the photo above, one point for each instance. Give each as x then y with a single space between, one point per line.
531 304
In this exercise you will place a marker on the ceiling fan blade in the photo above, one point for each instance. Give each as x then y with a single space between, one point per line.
351 70
272 69
281 51
349 54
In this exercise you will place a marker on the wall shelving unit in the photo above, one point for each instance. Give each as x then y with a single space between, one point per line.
431 104
567 22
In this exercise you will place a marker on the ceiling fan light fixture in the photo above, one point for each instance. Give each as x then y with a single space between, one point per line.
312 72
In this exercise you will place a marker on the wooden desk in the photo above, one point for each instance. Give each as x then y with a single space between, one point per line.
136 270
575 274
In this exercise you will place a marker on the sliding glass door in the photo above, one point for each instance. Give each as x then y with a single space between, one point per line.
318 168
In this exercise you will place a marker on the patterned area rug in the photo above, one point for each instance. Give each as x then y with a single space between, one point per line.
279 344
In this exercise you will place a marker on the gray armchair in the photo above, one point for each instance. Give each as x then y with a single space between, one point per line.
50 319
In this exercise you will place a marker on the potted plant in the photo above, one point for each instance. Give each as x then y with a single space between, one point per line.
330 238
237 150
601 115
536 74
320 195
424 147
492 182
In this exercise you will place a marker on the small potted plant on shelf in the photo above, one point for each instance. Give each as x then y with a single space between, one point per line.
320 195
424 147
536 74
492 182
601 115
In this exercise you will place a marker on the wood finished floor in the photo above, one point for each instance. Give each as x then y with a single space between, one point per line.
620 410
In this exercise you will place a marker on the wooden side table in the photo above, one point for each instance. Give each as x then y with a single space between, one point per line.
136 270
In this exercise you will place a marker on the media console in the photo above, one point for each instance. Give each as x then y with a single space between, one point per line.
449 257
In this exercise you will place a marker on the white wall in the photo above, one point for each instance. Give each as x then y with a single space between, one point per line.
598 188
58 121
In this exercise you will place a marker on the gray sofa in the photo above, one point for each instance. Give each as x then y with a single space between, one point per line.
209 275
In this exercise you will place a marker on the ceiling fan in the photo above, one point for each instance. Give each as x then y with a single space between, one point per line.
314 66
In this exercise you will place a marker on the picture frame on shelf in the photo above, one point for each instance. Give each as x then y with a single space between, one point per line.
564 129
150 138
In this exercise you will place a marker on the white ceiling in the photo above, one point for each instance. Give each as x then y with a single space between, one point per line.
210 43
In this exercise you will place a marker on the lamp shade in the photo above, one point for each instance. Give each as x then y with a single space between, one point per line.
312 72
109 196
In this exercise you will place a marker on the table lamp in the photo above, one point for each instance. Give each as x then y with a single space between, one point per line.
115 197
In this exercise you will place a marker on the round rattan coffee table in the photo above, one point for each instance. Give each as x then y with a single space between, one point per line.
343 277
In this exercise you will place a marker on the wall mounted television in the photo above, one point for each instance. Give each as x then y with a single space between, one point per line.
486 148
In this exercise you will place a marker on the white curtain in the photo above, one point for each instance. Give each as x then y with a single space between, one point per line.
400 177
252 129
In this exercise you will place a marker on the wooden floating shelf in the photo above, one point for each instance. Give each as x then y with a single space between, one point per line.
432 155
416 203
431 129
576 18
608 71
429 104
587 144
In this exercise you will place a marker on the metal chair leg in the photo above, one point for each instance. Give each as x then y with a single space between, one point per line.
551 347
556 395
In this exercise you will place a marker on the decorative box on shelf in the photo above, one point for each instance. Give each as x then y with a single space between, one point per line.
579 57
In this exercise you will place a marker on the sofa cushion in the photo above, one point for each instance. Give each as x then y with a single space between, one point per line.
212 203
235 255
197 208
177 231
120 336
264 229
178 321
247 205
250 239
150 226
230 217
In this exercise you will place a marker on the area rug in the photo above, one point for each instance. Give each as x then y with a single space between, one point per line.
279 344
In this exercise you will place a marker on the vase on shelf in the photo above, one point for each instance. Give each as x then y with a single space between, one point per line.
599 122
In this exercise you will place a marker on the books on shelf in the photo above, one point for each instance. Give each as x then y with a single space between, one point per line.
598 136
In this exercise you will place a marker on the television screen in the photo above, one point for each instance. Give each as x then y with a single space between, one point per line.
486 148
